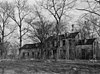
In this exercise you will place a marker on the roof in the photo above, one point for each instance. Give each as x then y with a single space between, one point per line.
31 46
62 36
90 41
51 38
86 41
72 35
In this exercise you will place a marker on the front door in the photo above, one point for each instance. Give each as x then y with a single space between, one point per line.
84 53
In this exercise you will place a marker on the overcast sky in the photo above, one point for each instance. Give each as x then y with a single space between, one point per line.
75 13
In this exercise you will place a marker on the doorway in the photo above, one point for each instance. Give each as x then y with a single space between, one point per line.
84 53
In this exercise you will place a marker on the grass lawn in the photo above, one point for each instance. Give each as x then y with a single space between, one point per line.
49 66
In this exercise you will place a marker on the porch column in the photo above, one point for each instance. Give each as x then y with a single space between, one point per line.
67 49
57 53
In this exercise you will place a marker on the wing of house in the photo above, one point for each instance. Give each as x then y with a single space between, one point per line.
30 50
85 48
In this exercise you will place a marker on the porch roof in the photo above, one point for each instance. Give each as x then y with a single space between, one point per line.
72 35
86 41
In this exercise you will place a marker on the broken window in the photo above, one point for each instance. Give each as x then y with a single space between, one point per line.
54 43
64 42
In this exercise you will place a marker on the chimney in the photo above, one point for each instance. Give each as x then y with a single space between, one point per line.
66 34
72 27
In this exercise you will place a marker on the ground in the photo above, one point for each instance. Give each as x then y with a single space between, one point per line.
50 66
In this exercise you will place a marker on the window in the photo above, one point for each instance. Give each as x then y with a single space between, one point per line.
32 53
27 53
48 44
54 43
63 42
23 54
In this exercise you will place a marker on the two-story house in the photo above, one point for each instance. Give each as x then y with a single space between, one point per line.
63 47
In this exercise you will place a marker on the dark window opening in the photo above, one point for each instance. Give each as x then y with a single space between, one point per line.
63 42
32 53
48 44
53 43
27 53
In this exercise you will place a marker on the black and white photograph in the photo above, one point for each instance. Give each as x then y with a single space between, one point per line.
49 36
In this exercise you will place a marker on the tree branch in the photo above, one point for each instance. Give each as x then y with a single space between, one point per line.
51 12
56 13
89 11
24 16
62 9
94 26
10 32
14 19
97 31
93 22
24 34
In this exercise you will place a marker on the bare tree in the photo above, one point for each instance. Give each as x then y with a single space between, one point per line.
41 28
19 13
92 28
93 7
5 9
4 19
58 9
90 23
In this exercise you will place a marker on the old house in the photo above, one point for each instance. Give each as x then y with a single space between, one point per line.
30 50
72 39
56 46
63 48
86 48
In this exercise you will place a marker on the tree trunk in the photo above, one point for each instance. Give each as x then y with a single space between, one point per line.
3 29
3 49
57 36
20 36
